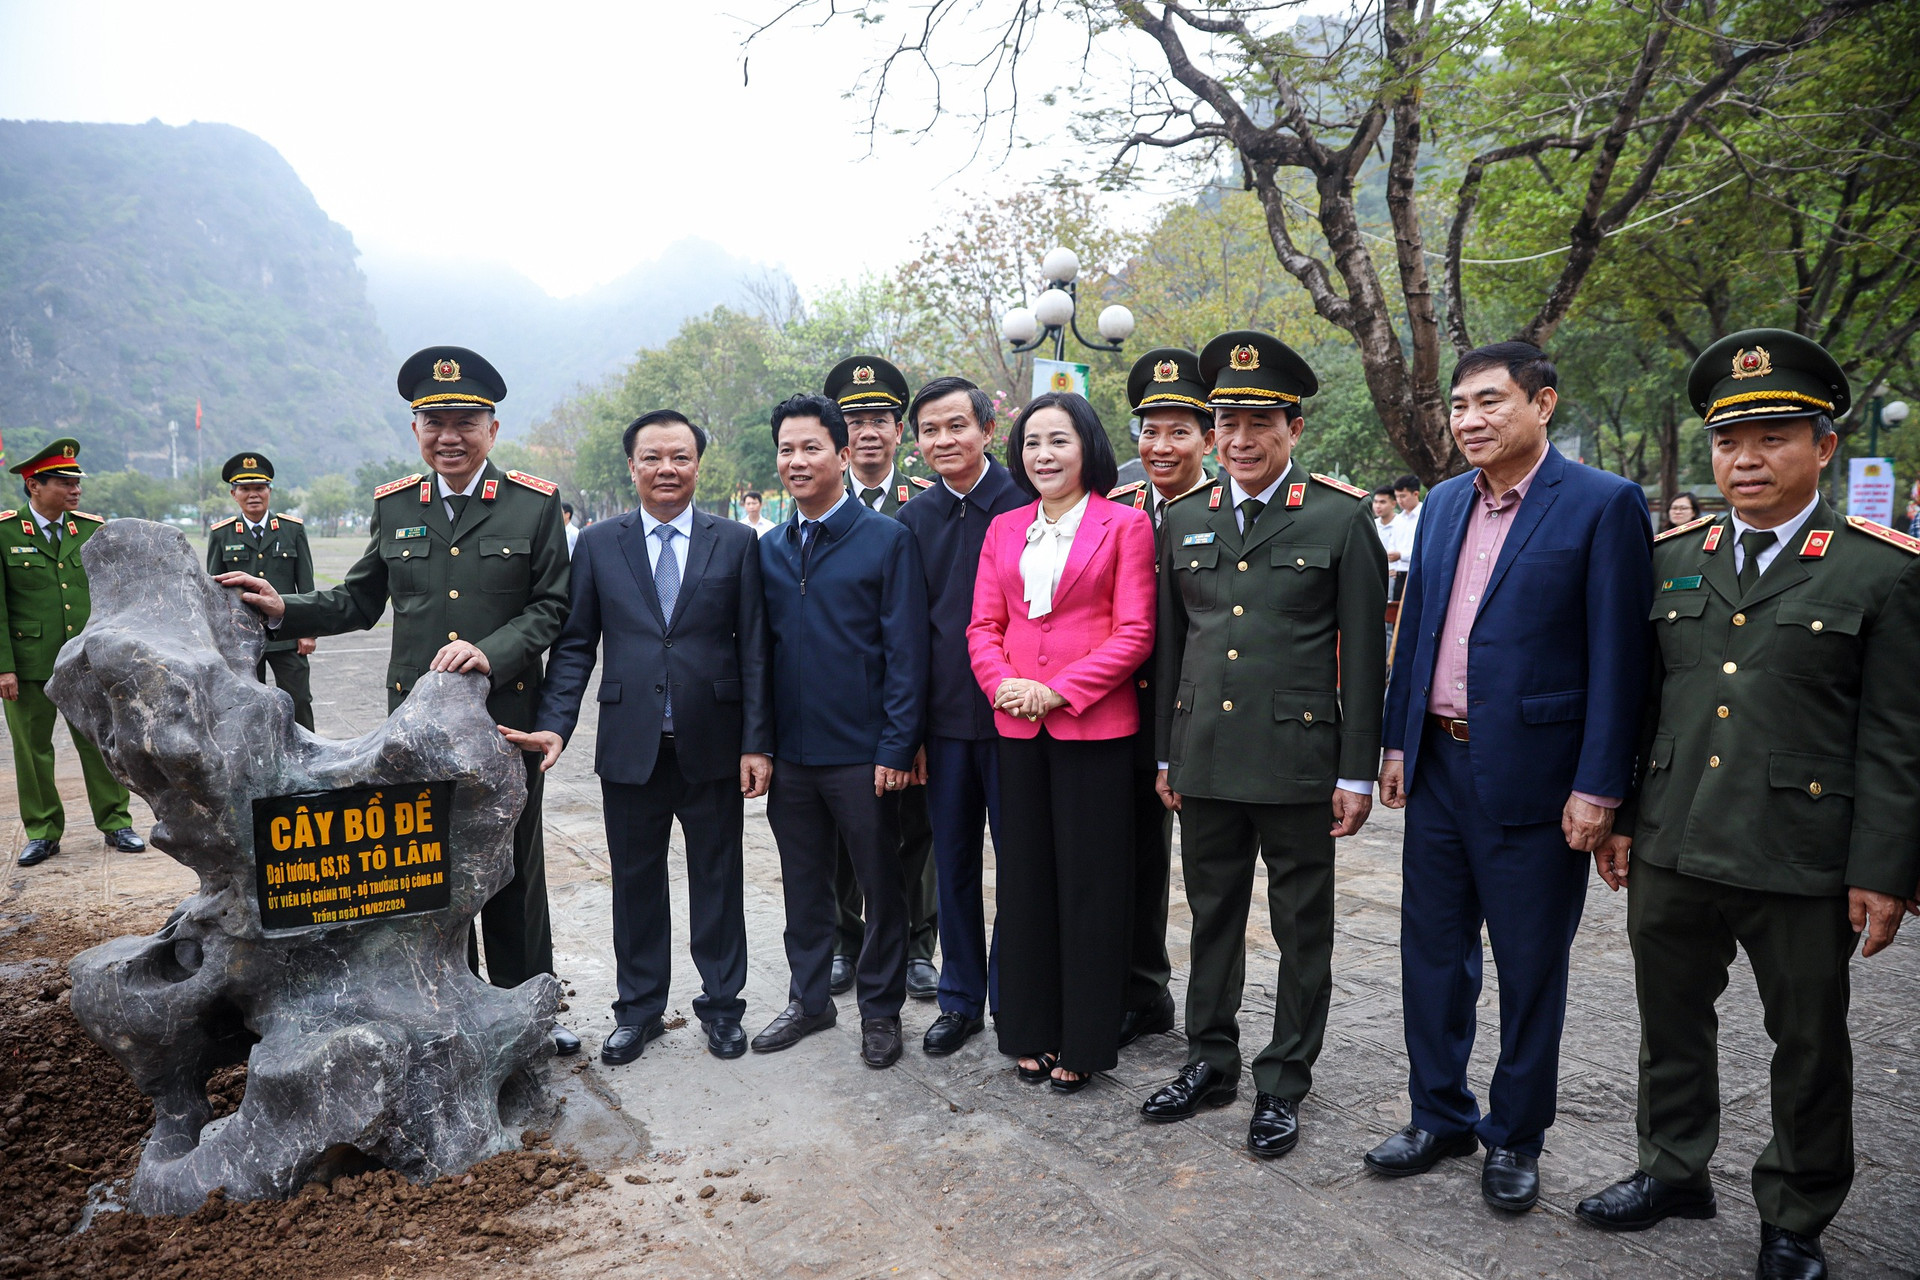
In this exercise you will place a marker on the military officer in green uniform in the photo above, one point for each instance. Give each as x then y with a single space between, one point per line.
475 562
272 545
1779 797
1176 434
44 605
873 395
1272 675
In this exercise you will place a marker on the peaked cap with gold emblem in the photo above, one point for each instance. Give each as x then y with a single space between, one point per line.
1168 377
450 378
247 468
60 458
866 382
1766 373
1248 370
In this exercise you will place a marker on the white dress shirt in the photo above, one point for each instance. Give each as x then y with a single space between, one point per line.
1784 532
855 484
1049 543
46 524
1239 495
467 492
976 482
682 525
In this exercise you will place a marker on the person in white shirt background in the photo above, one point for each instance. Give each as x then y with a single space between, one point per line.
750 505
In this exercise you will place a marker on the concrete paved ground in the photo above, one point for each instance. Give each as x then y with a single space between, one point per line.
951 1167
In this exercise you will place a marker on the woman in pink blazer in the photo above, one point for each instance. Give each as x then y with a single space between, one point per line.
1063 614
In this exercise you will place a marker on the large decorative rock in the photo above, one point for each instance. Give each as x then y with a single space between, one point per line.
370 1037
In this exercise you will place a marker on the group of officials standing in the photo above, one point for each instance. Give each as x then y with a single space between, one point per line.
1724 722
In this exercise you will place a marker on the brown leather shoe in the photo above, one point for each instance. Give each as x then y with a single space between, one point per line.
880 1041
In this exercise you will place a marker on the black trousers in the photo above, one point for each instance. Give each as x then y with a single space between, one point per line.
291 673
916 865
1064 884
1148 969
514 925
639 827
807 806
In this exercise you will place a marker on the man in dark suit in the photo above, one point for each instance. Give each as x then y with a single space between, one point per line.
847 606
686 725
1512 718
953 424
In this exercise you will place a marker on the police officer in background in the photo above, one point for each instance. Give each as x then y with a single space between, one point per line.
872 395
272 545
1272 678
43 605
1176 434
475 562
1779 802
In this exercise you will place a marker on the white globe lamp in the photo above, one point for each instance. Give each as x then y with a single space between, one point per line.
1054 308
1020 326
1060 266
1116 323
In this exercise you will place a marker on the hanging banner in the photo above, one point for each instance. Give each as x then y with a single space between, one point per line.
1059 375
1870 489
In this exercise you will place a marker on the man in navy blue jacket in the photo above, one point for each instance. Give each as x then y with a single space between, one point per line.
847 606
1511 726
953 423
685 728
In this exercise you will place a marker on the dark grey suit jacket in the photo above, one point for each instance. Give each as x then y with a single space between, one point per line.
715 650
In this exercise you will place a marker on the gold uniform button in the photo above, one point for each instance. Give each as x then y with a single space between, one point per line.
1307 716
1233 655
519 684
1722 713
1739 619
404 555
1238 610
1817 624
1713 762
1730 667
1227 705
453 595
66 606
69 626
396 686
453 551
63 586
506 551
1242 566
1672 614
1813 788
1143 684
1193 564
1301 562
453 635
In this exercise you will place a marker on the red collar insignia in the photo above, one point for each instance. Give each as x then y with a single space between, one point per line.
1713 538
1296 494
489 491
1816 544
900 495
426 492
1213 499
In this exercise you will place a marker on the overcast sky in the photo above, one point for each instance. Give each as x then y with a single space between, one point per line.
569 140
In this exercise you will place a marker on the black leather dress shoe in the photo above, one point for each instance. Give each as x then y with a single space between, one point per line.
1414 1150
38 851
1636 1203
1510 1180
725 1039
1150 1021
628 1043
565 1043
840 977
923 980
124 841
792 1026
949 1031
1275 1127
1788 1255
880 1041
1199 1084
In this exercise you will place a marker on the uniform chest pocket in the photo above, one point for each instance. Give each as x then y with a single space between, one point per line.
1195 568
235 553
1676 620
504 563
28 567
1816 640
406 564
1303 578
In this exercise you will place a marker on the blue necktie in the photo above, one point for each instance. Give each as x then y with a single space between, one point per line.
666 588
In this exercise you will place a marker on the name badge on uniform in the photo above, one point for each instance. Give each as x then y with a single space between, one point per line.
238 546
1681 584
15 550
417 531
1197 539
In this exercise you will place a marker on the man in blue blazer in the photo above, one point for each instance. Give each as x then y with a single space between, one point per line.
686 725
1511 726
847 606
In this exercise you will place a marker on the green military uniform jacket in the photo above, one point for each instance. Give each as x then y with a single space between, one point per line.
281 556
898 494
498 580
1273 664
46 602
1782 742
1139 495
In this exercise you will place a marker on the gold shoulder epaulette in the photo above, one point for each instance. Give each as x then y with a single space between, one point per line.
8 514
920 482
1125 489
216 525
1351 490
289 519
1909 545
88 515
1679 529
395 486
534 483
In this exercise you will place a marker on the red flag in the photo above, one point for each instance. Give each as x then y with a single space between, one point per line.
196 415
